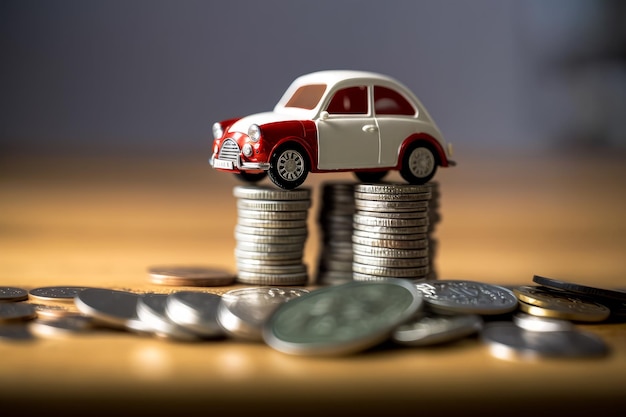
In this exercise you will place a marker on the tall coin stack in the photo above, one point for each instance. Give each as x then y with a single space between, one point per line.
270 235
335 220
390 237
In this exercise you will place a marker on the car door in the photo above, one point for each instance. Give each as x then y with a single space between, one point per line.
348 137
396 119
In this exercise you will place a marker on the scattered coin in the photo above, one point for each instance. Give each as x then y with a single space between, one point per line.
579 288
243 312
56 293
190 276
113 308
151 309
505 340
572 311
467 297
10 312
342 319
541 324
560 305
196 311
433 329
54 311
12 294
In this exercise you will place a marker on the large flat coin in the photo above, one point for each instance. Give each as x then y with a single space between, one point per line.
342 319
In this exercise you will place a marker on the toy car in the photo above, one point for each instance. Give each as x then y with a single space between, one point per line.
332 121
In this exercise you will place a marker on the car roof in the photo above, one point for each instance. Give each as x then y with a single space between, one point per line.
332 77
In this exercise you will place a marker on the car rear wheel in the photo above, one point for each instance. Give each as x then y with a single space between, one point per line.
369 176
289 167
251 177
419 164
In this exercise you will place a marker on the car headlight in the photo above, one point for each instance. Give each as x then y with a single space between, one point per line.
254 133
217 130
247 150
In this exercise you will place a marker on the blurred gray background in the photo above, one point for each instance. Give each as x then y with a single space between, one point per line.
150 77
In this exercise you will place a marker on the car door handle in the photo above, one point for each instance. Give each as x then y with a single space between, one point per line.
370 128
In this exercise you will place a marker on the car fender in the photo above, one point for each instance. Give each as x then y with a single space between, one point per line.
309 150
427 139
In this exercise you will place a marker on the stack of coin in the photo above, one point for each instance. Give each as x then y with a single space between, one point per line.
271 232
335 220
390 236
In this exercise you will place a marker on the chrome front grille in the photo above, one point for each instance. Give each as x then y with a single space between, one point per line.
229 151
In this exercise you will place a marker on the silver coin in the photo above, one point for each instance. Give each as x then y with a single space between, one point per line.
269 256
505 340
272 215
257 278
271 269
56 293
12 294
391 262
300 231
384 206
113 308
392 196
369 250
151 310
253 262
10 312
256 192
272 205
432 329
382 271
386 222
271 224
359 276
392 188
341 319
277 240
467 297
243 312
541 324
61 327
196 311
388 236
16 332
392 230
406 215
390 243
269 247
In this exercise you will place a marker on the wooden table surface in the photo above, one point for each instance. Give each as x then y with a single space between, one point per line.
102 221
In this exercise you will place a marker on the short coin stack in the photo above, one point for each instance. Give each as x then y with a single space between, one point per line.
390 237
335 220
271 233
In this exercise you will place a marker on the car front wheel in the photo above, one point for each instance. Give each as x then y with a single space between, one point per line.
419 164
289 167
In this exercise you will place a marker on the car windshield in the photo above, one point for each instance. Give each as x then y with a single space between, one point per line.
307 96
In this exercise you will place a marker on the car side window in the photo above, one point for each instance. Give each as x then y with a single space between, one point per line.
390 102
352 100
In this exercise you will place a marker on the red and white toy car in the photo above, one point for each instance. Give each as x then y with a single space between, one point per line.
331 121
